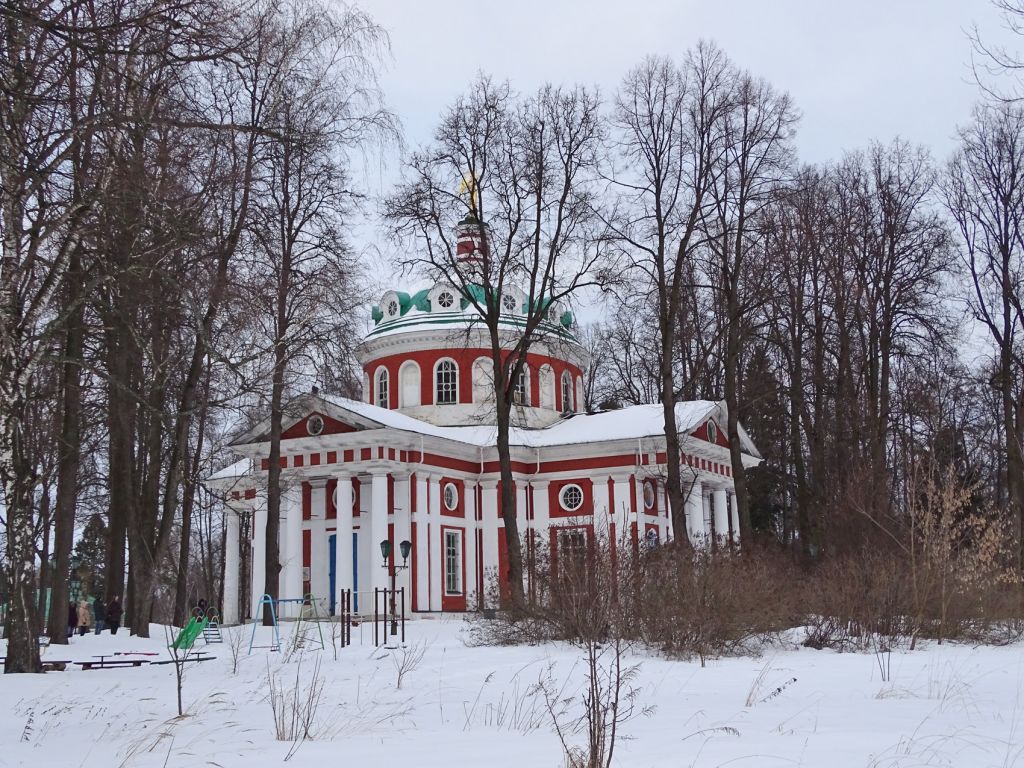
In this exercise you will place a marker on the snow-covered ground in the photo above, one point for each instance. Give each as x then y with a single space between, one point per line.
472 706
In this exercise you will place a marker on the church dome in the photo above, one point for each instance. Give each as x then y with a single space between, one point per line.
428 355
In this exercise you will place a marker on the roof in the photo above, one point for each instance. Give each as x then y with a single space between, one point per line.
635 422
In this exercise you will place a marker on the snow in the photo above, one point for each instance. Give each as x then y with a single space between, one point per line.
947 705
232 471
630 423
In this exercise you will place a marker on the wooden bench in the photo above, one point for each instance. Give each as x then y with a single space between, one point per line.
48 665
109 661
185 659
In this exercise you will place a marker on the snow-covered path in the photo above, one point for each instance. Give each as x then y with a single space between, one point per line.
465 706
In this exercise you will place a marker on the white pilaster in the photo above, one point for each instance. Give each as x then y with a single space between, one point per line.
721 515
231 563
378 530
402 520
489 521
343 555
319 567
291 560
472 590
421 545
436 558
622 514
259 551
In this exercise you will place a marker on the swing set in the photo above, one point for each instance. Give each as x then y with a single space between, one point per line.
301 626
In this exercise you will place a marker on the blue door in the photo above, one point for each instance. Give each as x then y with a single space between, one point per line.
332 544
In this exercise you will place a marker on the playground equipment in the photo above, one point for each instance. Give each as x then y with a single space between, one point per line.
187 637
386 608
211 632
304 634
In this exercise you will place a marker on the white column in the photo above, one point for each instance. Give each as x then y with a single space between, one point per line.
402 521
665 533
695 512
470 544
735 518
259 550
291 550
521 522
319 568
541 511
721 514
436 558
231 564
422 545
343 555
378 530
622 512
489 521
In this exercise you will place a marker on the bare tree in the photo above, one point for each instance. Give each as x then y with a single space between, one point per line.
669 122
985 195
526 167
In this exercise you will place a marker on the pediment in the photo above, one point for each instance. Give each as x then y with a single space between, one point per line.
309 417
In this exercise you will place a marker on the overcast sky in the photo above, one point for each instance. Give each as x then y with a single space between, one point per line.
857 70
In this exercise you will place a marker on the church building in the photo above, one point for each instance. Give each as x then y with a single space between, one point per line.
416 460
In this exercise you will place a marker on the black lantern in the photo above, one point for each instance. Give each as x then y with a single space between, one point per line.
405 548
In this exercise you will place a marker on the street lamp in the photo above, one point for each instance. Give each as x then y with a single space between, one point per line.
404 548
75 582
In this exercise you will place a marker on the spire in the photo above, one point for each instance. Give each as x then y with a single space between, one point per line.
470 241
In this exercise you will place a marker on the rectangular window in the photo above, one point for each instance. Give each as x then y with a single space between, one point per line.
572 550
453 562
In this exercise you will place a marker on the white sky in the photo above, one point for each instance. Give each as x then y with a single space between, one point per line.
857 70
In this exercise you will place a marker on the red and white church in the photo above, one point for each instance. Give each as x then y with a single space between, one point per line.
416 459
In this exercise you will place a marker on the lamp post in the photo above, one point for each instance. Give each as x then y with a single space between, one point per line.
75 582
404 548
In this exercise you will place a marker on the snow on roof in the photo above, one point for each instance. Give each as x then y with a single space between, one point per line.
630 423
232 471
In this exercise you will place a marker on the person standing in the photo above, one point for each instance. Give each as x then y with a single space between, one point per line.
114 612
72 619
84 617
99 614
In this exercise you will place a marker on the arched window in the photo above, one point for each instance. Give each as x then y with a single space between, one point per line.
521 390
446 383
567 392
381 390
483 386
408 385
546 380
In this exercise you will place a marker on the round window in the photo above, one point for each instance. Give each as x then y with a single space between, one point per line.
392 308
508 302
352 497
445 300
648 494
451 497
712 432
314 425
571 498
